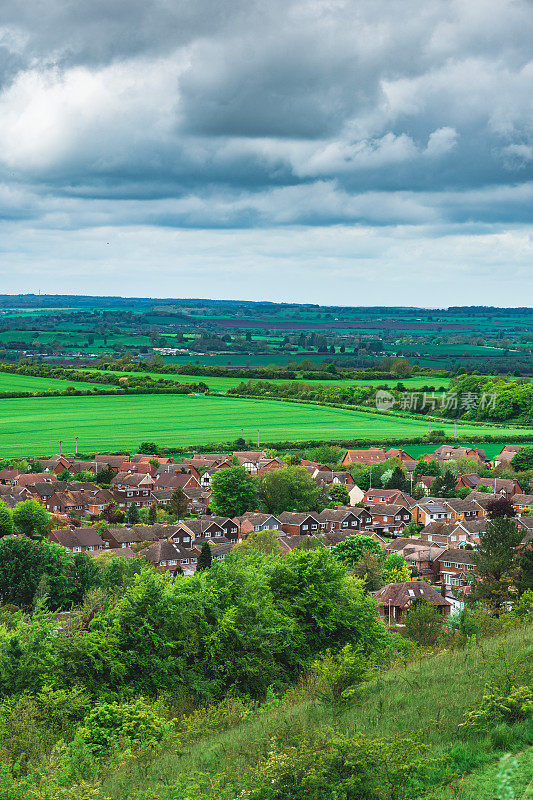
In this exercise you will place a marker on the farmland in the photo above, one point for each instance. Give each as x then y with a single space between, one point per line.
113 423
27 383
222 384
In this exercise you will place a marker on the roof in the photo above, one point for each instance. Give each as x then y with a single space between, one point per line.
387 509
460 506
124 535
164 550
79 537
131 479
456 554
403 594
297 517
523 499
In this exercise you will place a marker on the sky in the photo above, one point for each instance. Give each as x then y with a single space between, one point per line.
354 152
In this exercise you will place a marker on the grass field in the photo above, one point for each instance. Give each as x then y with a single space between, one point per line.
223 384
34 426
27 383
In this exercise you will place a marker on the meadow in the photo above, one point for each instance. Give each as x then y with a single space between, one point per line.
33 426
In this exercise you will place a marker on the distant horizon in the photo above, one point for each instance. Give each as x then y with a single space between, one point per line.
245 301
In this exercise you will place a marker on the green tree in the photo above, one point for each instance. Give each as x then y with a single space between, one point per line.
444 486
495 562
233 492
149 448
395 569
525 562
523 459
205 558
24 564
31 519
338 495
132 514
289 489
369 569
424 624
178 503
500 507
351 550
152 514
397 480
264 541
6 520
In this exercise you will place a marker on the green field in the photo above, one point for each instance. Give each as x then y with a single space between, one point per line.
27 383
223 384
34 426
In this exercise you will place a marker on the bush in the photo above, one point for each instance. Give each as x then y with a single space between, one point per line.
424 624
342 674
494 708
136 723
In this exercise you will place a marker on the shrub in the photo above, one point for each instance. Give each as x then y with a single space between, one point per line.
134 722
342 674
494 708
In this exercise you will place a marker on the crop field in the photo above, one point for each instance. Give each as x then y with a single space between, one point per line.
34 426
223 384
27 383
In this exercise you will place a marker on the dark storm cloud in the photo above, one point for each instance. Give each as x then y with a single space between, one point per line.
316 113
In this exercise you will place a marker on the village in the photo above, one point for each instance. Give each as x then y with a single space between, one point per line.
434 535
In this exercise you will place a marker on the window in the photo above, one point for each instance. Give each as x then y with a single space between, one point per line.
455 581
90 548
76 549
344 524
470 566
385 519
257 527
447 563
172 562
186 538
313 527
304 527
129 494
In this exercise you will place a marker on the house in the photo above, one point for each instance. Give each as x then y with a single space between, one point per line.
454 533
265 465
131 487
57 464
448 452
394 496
34 477
118 538
176 480
356 495
483 500
221 550
329 478
229 527
372 455
418 554
462 509
78 540
9 475
204 528
170 557
506 487
300 523
521 502
454 567
430 510
424 482
345 518
249 523
114 462
507 454
401 455
397 599
250 459
389 519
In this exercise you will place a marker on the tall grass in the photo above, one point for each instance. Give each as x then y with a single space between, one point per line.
427 697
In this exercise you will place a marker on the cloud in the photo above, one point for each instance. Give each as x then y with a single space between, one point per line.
174 116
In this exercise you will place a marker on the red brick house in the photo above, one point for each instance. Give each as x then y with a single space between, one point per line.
389 519
345 518
118 538
130 487
301 523
454 567
168 556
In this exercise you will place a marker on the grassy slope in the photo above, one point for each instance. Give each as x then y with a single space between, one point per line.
428 698
33 426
